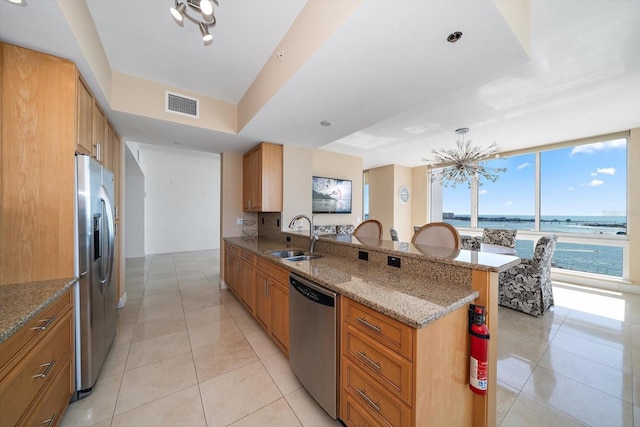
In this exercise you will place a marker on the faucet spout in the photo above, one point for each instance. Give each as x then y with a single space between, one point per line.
312 235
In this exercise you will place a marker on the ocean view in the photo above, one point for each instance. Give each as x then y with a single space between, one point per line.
581 257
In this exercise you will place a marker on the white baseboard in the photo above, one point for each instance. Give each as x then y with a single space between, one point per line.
122 301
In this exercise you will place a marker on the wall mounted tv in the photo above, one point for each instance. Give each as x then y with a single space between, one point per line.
331 195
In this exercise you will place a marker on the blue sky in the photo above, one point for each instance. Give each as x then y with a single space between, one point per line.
582 180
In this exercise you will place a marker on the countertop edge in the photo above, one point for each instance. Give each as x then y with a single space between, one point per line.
66 285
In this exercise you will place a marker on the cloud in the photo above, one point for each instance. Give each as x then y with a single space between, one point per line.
594 173
595 183
524 165
509 203
483 191
599 146
570 188
607 171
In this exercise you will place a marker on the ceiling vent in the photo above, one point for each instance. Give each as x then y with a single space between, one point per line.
180 104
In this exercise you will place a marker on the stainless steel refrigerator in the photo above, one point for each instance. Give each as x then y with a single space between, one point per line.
96 297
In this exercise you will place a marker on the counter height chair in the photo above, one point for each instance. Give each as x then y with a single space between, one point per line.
371 229
499 236
527 286
437 234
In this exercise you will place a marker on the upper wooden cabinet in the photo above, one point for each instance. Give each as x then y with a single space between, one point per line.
84 118
262 179
37 142
98 147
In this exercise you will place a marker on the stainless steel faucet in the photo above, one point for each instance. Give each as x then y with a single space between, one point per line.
313 236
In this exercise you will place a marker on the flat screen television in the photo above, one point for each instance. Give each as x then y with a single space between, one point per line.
331 195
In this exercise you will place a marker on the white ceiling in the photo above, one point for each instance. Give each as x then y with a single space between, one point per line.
387 78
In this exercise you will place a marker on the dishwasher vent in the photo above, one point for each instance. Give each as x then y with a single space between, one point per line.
180 104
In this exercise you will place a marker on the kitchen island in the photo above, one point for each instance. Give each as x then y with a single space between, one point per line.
420 312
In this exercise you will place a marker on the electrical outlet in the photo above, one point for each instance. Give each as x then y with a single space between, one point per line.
393 261
238 221
363 255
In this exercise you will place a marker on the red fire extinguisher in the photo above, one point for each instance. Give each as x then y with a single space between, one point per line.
479 335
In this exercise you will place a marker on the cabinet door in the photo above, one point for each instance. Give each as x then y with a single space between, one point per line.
116 151
256 181
231 272
84 118
246 285
262 300
279 295
99 134
247 177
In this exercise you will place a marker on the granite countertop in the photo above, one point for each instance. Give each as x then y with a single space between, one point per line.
478 260
21 302
413 299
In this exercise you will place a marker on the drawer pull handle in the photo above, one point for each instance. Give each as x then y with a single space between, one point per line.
375 365
50 421
366 398
369 325
46 324
47 367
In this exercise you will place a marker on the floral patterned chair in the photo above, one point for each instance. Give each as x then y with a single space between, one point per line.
471 243
498 236
527 286
394 234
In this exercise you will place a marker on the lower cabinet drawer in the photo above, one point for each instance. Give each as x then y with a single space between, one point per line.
22 385
354 415
54 400
374 399
391 370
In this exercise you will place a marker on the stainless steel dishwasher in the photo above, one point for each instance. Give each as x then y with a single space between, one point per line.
312 340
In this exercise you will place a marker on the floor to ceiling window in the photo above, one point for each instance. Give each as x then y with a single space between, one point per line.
578 192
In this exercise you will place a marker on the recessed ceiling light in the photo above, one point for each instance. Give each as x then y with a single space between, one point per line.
18 2
454 37
326 123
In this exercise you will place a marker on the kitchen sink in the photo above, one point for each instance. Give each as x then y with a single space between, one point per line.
288 253
303 257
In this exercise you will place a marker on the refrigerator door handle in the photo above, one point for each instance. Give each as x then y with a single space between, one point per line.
104 197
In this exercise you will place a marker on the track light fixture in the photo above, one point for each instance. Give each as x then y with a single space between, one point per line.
206 19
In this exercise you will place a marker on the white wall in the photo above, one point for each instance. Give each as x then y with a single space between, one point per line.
134 205
134 217
182 206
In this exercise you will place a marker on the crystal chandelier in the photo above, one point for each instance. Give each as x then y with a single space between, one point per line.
464 163
206 19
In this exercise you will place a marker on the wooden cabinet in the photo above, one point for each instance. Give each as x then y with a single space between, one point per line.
37 367
231 267
268 299
376 365
279 294
393 374
246 288
262 179
98 146
84 118
37 144
272 302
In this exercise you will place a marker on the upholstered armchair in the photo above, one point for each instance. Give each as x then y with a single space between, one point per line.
394 234
471 243
499 236
527 286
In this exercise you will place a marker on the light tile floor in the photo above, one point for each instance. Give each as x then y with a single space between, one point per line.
188 354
